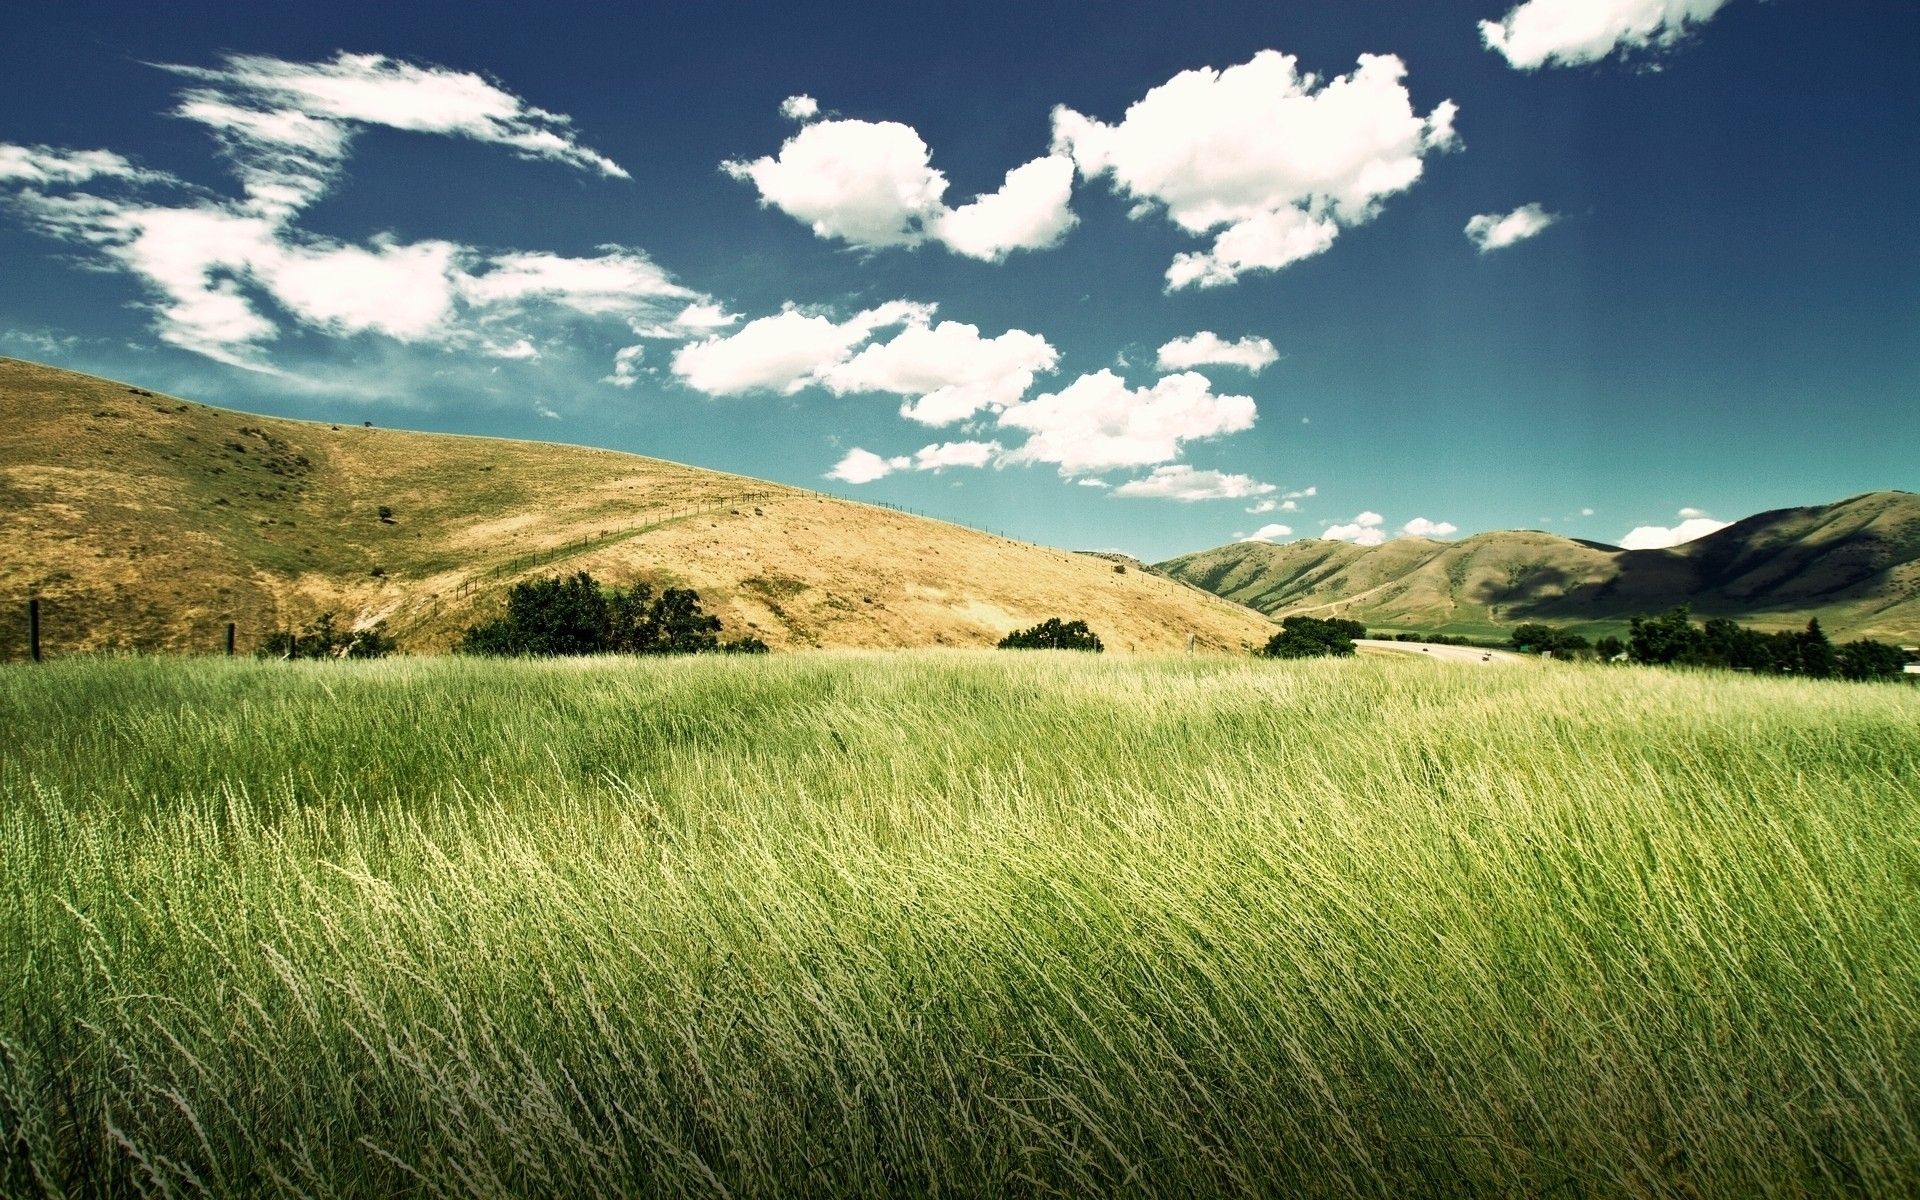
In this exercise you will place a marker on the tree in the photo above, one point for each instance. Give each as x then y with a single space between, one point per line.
1609 648
1534 638
1817 659
1054 634
1870 660
575 615
1668 638
1311 637
323 638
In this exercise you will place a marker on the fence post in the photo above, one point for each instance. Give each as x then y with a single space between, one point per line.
33 627
229 639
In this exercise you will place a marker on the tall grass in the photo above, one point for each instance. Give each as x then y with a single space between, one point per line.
955 925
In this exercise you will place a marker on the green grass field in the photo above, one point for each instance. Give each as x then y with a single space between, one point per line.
955 924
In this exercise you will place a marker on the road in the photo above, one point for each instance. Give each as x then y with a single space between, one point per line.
1465 654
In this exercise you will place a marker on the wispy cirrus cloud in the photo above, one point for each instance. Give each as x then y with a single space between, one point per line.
227 277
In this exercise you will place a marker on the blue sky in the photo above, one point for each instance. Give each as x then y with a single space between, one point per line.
1614 268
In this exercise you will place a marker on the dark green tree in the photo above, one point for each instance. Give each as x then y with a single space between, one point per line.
1312 637
1817 657
1666 639
1609 648
1054 634
1867 660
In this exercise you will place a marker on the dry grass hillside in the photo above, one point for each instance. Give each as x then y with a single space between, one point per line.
1854 564
148 522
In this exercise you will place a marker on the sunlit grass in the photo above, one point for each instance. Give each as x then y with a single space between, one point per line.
955 924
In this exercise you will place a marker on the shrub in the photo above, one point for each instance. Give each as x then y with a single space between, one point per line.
1312 637
1054 634
575 615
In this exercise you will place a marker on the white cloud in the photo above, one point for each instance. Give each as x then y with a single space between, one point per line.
1029 212
46 166
626 366
800 108
872 184
1421 527
1494 231
1263 506
1693 524
1182 482
864 466
1269 533
1570 32
217 269
1363 530
288 124
1097 422
785 352
1273 161
1092 482
949 367
1586 512
956 454
867 183
1208 348
616 283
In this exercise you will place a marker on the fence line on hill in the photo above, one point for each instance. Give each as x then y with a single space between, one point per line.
520 564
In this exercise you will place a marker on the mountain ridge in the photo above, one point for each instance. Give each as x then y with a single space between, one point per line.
1854 564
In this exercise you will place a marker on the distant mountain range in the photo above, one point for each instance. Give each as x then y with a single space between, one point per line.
1854 564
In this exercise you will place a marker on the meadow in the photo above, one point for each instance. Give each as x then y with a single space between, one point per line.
950 923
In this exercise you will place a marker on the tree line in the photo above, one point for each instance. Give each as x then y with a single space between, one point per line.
1673 639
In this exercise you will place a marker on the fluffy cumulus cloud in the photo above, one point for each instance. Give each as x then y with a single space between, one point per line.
1098 423
1269 533
1423 528
1539 33
1497 231
949 371
1271 161
800 108
872 185
1253 354
1367 529
225 275
944 373
1182 482
1693 524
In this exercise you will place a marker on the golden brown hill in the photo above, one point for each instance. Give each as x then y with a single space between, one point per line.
1854 564
148 522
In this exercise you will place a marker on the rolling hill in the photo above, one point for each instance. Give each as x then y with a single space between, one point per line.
1854 564
148 522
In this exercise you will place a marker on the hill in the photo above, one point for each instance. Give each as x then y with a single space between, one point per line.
1854 564
148 522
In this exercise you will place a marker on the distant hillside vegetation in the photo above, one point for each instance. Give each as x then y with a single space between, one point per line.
148 522
1854 564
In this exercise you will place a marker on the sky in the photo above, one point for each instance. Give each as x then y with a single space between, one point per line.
1127 276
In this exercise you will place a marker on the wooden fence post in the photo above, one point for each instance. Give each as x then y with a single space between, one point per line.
229 639
33 627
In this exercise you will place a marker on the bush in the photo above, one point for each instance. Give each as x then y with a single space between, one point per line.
1311 637
1054 634
575 615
